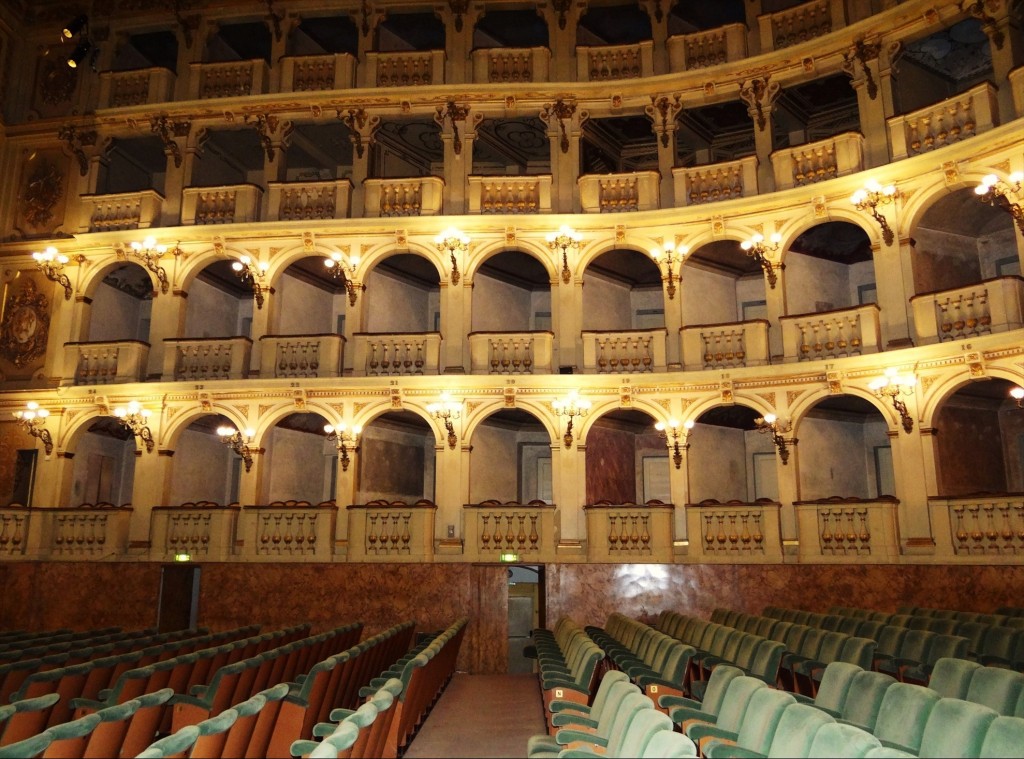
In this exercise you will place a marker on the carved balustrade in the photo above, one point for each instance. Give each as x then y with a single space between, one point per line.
979 526
391 531
734 531
315 73
993 305
612 193
89 532
629 532
505 194
388 354
301 355
725 346
236 204
799 24
599 64
831 334
511 352
718 181
421 196
818 161
206 358
288 531
120 211
710 47
951 120
635 351
202 529
1017 87
120 89
104 363
228 79
530 531
14 527
302 201
414 68
505 64
848 529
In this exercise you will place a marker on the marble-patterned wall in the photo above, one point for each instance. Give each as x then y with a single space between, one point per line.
47 595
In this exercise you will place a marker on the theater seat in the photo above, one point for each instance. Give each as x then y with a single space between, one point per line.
842 741
956 729
864 700
996 688
951 677
904 715
1004 739
759 725
668 744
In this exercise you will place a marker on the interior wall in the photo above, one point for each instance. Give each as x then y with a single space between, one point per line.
944 261
401 307
499 306
813 284
969 449
717 464
606 304
611 465
200 469
89 447
302 308
833 459
114 315
296 465
395 464
708 297
210 312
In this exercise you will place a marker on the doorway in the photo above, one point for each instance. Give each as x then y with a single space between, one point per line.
525 613
178 605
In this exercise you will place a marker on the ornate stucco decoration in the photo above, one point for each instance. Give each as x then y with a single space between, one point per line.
167 130
759 94
453 113
57 82
664 109
26 326
43 189
861 53
561 111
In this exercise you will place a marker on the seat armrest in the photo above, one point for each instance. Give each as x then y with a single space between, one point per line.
572 720
704 730
676 702
729 751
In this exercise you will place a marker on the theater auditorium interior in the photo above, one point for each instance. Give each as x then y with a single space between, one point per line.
504 378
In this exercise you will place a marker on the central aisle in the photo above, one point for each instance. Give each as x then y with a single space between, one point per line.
481 716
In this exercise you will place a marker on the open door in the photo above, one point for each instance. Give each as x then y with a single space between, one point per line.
178 607
525 603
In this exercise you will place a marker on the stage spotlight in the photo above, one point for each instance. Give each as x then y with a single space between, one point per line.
77 24
79 54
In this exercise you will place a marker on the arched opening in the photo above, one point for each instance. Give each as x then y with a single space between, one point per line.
324 35
510 435
721 284
204 469
299 462
729 458
132 165
409 31
396 459
220 304
622 291
103 469
626 460
406 289
829 266
511 147
122 305
239 41
613 25
511 293
310 300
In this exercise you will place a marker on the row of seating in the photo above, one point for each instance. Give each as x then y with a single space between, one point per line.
568 662
11 649
653 660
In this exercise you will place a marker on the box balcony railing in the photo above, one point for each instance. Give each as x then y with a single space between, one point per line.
844 529
203 530
817 161
980 526
507 195
206 358
831 334
613 193
393 354
795 25
711 47
89 531
719 181
726 346
1017 88
507 65
316 73
511 352
120 89
993 305
607 62
301 356
420 196
237 204
120 211
629 532
288 531
528 530
391 531
415 68
228 79
954 119
635 351
302 201
14 526
105 363
734 531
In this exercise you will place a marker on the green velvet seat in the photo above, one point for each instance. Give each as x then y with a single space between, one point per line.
729 719
714 694
1004 739
904 715
668 744
996 688
951 677
864 701
171 745
842 741
27 748
956 729
341 740
793 736
759 724
836 680
598 717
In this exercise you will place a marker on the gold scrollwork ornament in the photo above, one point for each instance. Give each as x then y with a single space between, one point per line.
25 326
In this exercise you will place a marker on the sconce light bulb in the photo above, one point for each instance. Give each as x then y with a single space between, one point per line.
225 431
688 424
1017 393
250 433
660 426
237 266
1016 177
770 418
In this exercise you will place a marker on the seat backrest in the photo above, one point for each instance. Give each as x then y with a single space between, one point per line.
835 685
644 725
865 698
795 637
997 647
904 714
915 645
870 628
668 744
849 625
831 646
767 658
996 688
718 685
616 695
631 705
796 730
1004 738
942 625
836 739
956 729
889 639
951 677
737 699
780 631
859 651
762 717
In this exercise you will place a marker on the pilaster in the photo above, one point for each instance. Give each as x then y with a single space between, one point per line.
760 95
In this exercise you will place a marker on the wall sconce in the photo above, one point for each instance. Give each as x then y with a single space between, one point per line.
450 241
133 417
1017 394
249 271
892 386
870 197
343 437
671 430
562 240
757 248
149 253
994 191
51 264
33 421
240 445
344 271
571 406
669 255
770 424
447 411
